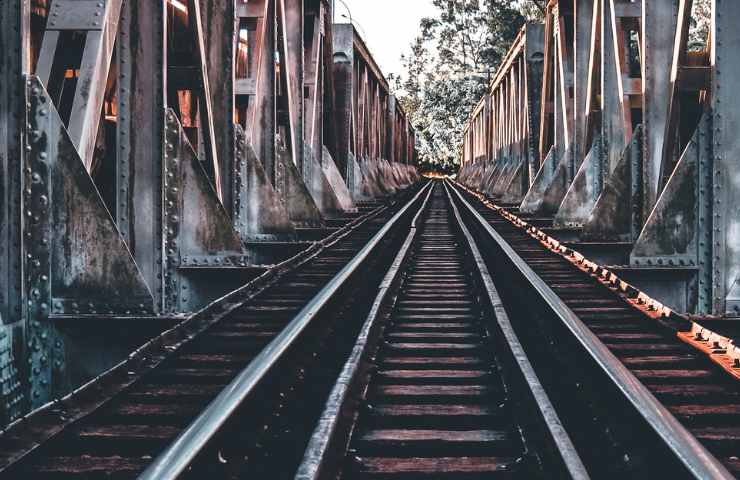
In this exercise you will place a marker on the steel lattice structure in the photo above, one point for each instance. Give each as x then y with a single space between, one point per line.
606 121
150 150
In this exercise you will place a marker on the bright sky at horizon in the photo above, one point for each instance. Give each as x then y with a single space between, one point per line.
388 26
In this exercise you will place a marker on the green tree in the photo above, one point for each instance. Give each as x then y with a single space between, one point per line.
451 63
701 18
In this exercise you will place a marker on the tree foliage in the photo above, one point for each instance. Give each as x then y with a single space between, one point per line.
450 65
701 17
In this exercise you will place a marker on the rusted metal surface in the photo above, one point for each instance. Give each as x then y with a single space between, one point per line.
649 306
617 213
717 341
141 126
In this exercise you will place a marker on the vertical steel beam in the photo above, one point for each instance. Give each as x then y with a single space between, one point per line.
563 87
726 174
612 113
314 82
658 34
548 74
584 37
14 63
141 123
261 114
394 134
593 82
328 92
534 54
620 43
219 27
290 19
344 68
124 178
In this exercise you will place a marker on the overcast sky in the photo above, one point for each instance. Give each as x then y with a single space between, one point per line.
388 26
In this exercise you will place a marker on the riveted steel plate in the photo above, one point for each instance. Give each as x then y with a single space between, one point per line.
76 15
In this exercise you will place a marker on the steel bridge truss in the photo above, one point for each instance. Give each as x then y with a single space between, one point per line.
605 119
144 145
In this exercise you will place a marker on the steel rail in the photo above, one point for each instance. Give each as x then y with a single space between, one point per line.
99 391
692 454
325 434
181 453
568 453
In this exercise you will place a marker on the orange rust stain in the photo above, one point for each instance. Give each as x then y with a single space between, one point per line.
640 300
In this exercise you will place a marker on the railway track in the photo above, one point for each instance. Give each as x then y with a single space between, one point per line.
439 385
700 395
347 363
115 426
429 392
